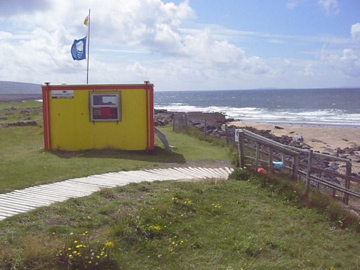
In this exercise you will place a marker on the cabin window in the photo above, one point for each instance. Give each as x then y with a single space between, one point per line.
105 107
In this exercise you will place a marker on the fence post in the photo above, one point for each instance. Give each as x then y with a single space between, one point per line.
227 134
270 160
308 172
257 155
241 150
295 167
347 182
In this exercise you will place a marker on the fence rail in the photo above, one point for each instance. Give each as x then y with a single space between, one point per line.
261 151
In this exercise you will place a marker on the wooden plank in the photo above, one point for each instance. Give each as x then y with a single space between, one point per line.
316 154
257 155
241 149
347 182
23 200
334 173
170 174
201 173
23 197
48 194
277 146
271 169
74 187
310 158
15 204
51 190
337 187
5 210
186 173
164 174
222 173
295 169
216 173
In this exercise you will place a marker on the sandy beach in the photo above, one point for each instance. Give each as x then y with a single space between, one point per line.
322 139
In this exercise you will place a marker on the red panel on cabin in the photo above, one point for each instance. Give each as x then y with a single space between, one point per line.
105 112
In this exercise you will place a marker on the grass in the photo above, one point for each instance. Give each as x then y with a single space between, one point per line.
255 223
177 225
20 112
24 163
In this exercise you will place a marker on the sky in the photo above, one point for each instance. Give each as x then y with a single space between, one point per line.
184 45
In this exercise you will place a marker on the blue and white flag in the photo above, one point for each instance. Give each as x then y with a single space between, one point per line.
78 49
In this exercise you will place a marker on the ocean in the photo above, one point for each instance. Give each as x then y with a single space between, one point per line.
325 107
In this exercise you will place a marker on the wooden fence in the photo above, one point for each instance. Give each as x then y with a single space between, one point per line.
257 151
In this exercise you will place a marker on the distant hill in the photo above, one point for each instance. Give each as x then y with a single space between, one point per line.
19 88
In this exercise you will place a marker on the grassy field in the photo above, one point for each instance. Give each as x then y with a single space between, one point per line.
177 225
252 224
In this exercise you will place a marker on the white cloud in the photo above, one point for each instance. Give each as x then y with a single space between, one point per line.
348 62
355 31
330 6
150 23
294 3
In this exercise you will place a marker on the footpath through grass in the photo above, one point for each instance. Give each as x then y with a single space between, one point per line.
177 225
23 162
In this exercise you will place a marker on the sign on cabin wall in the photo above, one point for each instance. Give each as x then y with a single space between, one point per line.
62 94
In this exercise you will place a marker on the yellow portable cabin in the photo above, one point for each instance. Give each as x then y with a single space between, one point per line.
84 117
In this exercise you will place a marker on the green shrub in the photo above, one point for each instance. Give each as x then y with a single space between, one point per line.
239 174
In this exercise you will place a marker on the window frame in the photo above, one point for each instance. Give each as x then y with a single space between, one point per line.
100 106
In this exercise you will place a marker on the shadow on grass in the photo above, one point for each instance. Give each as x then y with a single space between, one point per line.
158 155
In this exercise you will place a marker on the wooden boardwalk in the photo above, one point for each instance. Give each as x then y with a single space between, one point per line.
21 201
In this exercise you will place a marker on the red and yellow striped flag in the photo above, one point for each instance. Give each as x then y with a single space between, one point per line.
86 21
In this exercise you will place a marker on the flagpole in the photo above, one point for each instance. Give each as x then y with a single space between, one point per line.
88 50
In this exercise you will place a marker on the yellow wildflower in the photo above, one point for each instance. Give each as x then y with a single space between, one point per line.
110 244
157 228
